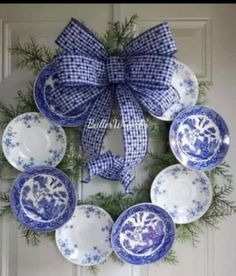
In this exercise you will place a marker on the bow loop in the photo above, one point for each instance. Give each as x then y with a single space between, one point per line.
157 40
152 71
78 39
74 70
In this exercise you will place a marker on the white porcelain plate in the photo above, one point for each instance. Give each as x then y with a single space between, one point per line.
185 194
86 238
30 140
186 84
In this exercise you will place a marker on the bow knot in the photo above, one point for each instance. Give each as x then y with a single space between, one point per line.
143 70
116 69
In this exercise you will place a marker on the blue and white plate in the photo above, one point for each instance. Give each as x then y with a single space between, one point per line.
143 234
45 82
186 84
43 198
86 238
30 140
199 138
185 194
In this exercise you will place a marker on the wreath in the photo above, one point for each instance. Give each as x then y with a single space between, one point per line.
35 57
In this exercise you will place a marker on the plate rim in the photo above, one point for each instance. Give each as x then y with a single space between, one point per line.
226 129
15 191
43 107
19 168
111 249
197 94
116 223
195 171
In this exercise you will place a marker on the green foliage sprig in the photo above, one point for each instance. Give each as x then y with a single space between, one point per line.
32 55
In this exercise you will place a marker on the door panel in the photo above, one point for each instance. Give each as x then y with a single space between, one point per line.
206 41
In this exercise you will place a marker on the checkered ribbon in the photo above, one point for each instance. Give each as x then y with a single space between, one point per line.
139 75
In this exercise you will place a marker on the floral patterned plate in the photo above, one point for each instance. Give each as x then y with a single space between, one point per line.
43 198
52 108
86 238
186 84
30 140
185 194
199 138
143 234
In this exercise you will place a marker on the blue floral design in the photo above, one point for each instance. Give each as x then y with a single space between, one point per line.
57 131
73 248
190 85
20 162
28 119
55 157
182 212
107 229
91 210
96 256
9 140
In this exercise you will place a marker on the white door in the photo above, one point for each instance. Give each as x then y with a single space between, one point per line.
205 35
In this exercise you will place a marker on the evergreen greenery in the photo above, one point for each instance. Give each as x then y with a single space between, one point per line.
34 57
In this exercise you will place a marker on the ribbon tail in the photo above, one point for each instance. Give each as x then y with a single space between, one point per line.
96 125
134 127
98 165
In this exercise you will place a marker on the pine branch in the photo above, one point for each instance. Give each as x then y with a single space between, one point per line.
25 99
203 88
5 210
119 34
115 259
223 170
4 197
7 113
7 172
188 233
33 56
32 237
170 258
93 269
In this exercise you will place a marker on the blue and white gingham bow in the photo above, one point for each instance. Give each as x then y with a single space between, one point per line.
139 75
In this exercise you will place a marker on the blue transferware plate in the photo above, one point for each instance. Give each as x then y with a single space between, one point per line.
199 138
185 194
43 198
185 82
143 234
86 238
45 82
30 140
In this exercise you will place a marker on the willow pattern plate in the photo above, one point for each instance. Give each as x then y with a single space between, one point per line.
43 198
199 138
31 140
86 238
185 194
143 234
52 108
